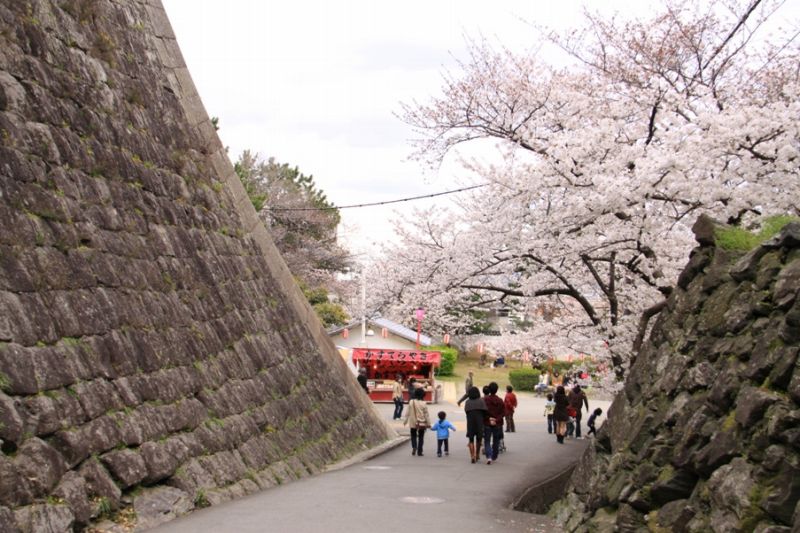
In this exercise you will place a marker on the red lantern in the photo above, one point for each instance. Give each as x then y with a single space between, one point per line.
447 338
480 347
345 333
385 333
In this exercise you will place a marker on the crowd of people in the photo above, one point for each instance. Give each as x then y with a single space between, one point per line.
489 417
564 412
550 382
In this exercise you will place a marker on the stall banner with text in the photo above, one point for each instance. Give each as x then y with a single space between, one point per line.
409 356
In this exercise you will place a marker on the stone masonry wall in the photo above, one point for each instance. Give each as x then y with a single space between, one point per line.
155 353
705 435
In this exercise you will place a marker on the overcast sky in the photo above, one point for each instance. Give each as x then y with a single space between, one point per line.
317 83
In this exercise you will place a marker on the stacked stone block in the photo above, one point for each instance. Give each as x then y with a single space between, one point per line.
705 435
154 349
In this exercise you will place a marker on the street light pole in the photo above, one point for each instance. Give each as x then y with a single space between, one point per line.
420 315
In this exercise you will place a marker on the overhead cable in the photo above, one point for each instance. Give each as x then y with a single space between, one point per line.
387 202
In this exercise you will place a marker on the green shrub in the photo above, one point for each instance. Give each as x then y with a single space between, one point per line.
449 356
524 379
331 314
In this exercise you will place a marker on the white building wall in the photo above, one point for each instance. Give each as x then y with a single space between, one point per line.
392 342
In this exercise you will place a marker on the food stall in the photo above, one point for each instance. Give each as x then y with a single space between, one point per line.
383 365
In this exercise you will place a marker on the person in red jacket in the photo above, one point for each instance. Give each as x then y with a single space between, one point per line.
493 422
510 402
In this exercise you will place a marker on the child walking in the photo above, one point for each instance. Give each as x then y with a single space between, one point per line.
442 429
549 407
571 421
592 421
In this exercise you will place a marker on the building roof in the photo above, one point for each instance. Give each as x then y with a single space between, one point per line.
393 327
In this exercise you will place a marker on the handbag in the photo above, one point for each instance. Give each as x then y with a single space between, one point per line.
420 424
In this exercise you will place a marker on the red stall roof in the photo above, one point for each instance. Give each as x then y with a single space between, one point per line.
397 356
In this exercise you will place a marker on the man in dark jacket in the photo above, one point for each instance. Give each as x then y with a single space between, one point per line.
362 379
577 399
493 422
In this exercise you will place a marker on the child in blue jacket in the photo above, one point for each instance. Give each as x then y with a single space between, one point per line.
442 429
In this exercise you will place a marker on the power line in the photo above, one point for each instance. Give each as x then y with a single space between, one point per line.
375 203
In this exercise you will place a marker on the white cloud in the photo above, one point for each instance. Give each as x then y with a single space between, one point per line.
315 83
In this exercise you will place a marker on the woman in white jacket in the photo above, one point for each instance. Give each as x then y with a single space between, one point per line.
418 420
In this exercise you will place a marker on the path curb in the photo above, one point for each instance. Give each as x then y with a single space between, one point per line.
369 454
538 498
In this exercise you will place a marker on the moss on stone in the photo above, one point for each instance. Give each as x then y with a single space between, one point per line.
734 238
667 473
652 523
775 343
773 225
753 514
604 519
729 424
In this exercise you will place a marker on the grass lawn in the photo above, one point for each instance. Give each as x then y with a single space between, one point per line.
481 376
484 376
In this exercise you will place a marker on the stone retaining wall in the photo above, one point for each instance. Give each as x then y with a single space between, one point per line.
705 435
155 352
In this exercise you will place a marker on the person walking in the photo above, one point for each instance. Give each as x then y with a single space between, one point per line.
592 421
510 402
443 427
570 420
397 397
560 415
468 382
418 420
577 399
475 409
549 407
493 423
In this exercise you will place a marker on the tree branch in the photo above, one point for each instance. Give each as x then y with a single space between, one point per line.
647 314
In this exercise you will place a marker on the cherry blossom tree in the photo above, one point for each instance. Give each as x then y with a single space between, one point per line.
605 165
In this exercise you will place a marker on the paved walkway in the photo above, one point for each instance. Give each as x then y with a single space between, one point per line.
396 492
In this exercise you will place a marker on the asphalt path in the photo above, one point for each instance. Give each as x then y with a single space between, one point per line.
397 492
